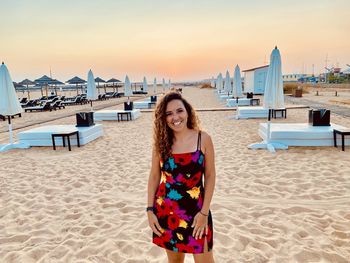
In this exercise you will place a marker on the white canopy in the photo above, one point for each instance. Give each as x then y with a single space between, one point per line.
145 86
155 85
9 103
237 83
91 87
219 82
127 87
273 95
227 85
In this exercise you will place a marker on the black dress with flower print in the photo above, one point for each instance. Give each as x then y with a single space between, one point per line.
179 198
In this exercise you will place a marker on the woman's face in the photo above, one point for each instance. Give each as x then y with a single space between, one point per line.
176 115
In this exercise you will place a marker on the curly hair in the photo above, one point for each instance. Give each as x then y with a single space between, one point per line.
163 135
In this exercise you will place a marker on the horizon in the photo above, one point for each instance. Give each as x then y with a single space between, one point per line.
182 41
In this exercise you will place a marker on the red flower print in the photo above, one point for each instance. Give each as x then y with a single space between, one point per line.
166 236
161 190
194 180
173 222
158 241
184 248
183 159
171 206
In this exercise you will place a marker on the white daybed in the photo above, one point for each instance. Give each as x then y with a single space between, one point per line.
111 115
41 136
301 134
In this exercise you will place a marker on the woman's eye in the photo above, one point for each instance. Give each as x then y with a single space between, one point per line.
168 114
180 110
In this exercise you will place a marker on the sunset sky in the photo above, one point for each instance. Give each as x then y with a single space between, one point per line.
180 40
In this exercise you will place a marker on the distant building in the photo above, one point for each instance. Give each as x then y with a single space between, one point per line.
255 79
293 77
299 78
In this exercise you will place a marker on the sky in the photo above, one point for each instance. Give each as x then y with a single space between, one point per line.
181 40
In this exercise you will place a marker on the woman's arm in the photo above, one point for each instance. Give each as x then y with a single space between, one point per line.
153 182
200 222
154 178
209 173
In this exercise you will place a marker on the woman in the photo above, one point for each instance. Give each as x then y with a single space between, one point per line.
178 204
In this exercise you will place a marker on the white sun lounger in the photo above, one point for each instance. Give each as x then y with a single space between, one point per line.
112 115
241 102
251 112
254 112
300 134
224 97
146 104
41 136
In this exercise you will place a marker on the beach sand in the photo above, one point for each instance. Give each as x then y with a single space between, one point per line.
88 205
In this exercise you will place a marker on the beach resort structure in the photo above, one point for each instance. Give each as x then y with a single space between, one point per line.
294 77
254 79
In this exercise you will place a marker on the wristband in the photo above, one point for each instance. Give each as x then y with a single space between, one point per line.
150 208
202 213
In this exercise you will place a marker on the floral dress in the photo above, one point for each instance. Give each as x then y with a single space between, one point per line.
179 198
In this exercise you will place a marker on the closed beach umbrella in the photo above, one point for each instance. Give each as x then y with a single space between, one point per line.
9 103
163 84
273 95
169 84
212 82
127 87
273 98
155 86
237 83
91 93
219 82
227 85
144 85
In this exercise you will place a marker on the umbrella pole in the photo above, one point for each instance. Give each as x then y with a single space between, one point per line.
10 129
28 93
91 105
268 126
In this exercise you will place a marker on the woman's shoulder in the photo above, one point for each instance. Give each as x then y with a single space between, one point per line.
205 137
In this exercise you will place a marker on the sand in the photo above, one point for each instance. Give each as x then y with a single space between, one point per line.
88 205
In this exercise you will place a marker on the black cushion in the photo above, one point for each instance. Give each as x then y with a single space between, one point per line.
319 117
85 119
249 95
128 106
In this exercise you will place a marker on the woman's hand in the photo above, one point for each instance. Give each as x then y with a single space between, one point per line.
200 224
153 223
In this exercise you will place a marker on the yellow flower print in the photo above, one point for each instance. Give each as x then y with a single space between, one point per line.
194 192
183 223
160 200
179 236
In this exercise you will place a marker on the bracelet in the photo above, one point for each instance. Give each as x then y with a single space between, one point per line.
150 208
202 213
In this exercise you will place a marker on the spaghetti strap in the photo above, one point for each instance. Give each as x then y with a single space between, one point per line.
199 141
